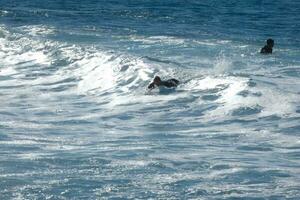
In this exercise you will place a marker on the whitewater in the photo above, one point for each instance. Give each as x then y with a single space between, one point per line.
78 122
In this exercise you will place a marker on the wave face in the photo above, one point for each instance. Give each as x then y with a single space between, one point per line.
77 121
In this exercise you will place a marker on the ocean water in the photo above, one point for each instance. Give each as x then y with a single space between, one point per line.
77 120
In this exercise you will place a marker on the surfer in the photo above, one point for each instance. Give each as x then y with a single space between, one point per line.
267 49
168 83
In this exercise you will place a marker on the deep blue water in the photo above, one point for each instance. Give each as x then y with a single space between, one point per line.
77 120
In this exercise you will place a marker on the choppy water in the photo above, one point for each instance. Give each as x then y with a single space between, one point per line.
76 120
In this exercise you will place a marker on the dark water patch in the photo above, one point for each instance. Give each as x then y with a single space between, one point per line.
248 160
73 160
19 167
20 148
11 182
6 128
55 88
5 78
36 191
292 147
82 104
248 177
155 108
30 70
298 109
266 81
201 111
128 104
257 94
63 81
165 136
193 113
182 185
166 127
166 91
77 122
62 88
234 121
293 155
278 173
293 130
280 197
125 117
72 186
125 154
246 93
235 192
119 194
35 75
25 64
177 146
191 165
252 176
210 97
131 138
44 113
243 111
76 129
220 167
89 183
125 68
55 64
7 113
254 148
3 136
10 87
160 166
7 193
271 118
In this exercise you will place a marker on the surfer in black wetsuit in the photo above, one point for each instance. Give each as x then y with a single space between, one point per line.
267 49
168 83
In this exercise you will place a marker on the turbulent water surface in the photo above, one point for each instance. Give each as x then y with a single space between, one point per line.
77 122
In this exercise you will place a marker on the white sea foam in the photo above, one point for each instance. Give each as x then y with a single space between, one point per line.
83 113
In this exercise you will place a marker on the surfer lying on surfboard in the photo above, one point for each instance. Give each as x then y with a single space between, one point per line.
168 83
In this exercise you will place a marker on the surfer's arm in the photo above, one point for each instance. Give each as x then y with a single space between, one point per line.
151 86
175 81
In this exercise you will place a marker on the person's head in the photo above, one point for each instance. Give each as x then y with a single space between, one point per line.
270 42
157 80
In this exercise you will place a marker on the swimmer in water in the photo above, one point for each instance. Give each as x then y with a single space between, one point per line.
267 49
168 83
